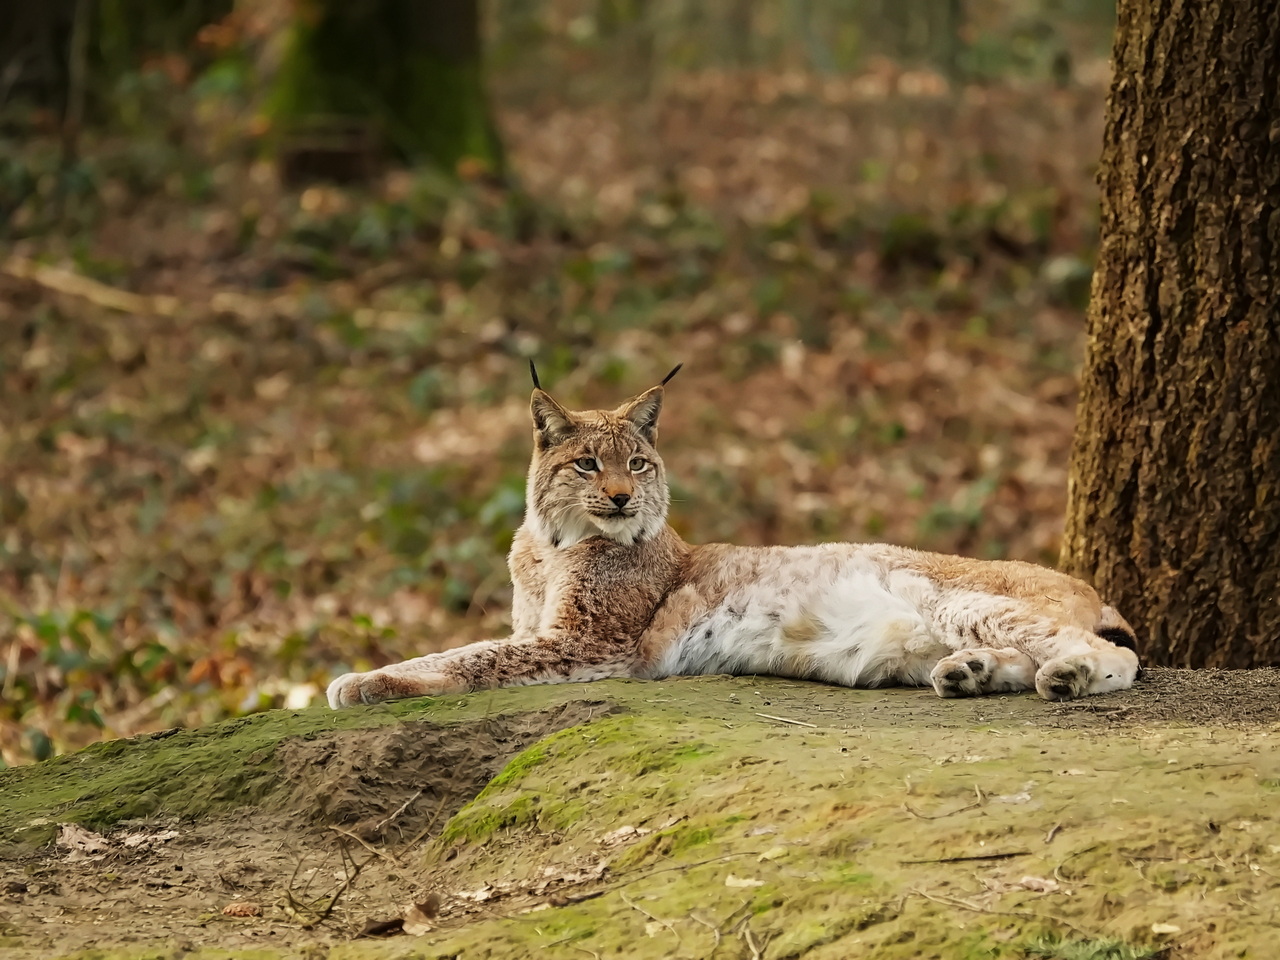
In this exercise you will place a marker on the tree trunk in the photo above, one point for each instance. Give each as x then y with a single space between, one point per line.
408 71
1174 497
38 41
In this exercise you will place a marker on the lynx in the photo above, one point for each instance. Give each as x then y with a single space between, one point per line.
605 588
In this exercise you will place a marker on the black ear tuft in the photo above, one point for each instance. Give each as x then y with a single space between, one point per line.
533 372
643 412
667 378
552 421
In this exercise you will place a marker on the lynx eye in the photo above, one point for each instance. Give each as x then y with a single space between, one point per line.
638 464
586 464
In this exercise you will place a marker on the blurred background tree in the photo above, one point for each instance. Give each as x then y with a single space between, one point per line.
402 73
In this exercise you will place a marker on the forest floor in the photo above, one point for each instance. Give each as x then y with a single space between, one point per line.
706 817
255 435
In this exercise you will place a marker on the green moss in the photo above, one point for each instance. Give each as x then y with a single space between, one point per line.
564 815
838 840
186 954
520 765
481 819
184 773
1052 947
687 838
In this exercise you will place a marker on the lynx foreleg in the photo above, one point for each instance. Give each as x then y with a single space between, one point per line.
489 663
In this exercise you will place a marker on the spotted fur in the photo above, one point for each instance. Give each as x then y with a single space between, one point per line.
605 588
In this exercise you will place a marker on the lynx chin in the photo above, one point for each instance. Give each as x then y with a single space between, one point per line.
605 588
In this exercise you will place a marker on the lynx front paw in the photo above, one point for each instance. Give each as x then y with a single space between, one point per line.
353 689
964 674
1065 678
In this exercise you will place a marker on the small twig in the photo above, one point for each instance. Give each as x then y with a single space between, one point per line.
710 926
1021 914
1053 832
981 799
1107 711
982 856
639 909
430 824
292 877
99 294
940 816
798 723
586 951
687 866
1207 766
399 810
367 845
750 939
1142 870
352 873
744 908
951 901
572 898
307 915
1057 871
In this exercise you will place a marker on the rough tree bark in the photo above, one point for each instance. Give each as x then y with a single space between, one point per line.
409 69
1174 499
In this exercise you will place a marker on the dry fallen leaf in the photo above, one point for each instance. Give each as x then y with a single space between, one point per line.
741 882
83 844
382 928
1165 928
418 916
242 908
622 835
1040 884
145 841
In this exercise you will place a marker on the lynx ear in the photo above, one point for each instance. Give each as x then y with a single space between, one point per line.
643 412
552 421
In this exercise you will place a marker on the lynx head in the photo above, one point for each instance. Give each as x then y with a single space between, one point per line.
596 473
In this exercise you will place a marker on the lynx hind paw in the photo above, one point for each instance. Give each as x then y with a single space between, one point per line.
964 674
353 689
1065 678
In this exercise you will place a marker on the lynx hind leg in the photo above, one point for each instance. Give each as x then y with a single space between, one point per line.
972 673
1094 665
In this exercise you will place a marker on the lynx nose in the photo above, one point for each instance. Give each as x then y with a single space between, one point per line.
620 500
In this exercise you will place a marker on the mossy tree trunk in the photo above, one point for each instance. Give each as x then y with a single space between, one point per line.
409 69
1174 501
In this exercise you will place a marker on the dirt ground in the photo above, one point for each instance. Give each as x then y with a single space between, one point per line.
369 822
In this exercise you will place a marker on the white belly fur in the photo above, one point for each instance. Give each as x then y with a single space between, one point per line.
823 613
